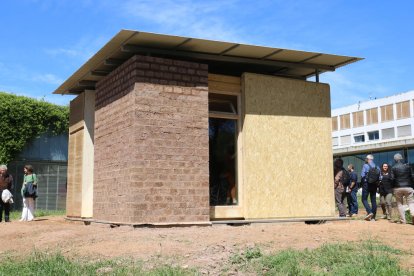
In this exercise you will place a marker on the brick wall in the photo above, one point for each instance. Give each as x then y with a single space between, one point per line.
151 142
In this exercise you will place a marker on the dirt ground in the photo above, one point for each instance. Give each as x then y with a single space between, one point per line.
206 248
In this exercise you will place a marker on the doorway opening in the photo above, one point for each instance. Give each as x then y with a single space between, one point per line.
223 133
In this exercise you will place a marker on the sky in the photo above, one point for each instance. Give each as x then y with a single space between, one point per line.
43 42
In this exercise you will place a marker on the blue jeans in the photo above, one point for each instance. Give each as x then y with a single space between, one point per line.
373 196
353 201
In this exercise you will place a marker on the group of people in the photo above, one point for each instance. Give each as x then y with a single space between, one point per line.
396 181
27 191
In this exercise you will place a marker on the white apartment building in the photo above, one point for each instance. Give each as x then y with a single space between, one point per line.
381 127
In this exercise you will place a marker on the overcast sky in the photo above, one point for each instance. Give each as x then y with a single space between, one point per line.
44 42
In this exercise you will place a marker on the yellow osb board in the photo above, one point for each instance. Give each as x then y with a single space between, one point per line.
75 158
74 189
287 148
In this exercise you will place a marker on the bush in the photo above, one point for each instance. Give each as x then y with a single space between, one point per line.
23 119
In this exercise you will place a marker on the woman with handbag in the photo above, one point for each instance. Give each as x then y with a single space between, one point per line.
28 191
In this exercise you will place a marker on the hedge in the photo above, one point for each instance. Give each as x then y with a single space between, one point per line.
22 119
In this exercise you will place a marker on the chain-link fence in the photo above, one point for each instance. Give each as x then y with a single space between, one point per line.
52 177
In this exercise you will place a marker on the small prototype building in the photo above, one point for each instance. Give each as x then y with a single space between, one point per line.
169 129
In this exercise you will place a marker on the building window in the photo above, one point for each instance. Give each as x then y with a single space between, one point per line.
359 138
345 121
223 127
404 131
372 116
388 133
222 104
345 140
387 113
334 123
358 118
334 141
373 135
403 110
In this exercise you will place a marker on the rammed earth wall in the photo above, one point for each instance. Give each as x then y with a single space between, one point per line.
151 142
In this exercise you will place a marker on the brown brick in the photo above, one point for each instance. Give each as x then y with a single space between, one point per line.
151 142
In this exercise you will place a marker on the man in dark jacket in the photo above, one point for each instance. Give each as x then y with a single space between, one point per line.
403 186
6 182
353 189
339 187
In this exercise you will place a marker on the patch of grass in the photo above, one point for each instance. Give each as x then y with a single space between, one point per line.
57 264
363 258
245 257
16 215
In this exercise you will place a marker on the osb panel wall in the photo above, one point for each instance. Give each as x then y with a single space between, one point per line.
76 110
287 149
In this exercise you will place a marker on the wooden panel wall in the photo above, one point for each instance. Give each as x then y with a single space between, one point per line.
223 84
74 185
287 148
79 200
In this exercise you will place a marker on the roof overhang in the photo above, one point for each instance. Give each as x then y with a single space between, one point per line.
222 58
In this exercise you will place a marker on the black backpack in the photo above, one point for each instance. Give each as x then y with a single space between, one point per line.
346 178
30 190
373 175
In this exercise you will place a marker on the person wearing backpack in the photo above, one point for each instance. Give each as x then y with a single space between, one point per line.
340 175
370 177
403 186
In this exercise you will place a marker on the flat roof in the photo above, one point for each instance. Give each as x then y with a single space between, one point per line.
222 57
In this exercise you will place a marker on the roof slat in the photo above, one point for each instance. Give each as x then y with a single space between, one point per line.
201 56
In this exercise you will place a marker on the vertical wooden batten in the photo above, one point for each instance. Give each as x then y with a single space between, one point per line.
79 200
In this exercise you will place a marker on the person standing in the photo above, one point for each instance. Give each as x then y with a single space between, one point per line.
369 179
353 189
403 186
385 191
28 201
340 194
6 182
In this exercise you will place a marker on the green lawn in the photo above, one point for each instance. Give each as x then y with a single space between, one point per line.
362 258
57 264
357 258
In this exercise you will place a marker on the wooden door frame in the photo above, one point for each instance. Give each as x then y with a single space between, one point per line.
228 85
